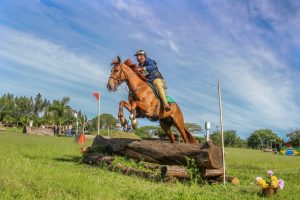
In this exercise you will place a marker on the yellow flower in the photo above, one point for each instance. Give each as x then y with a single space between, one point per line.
265 185
274 182
274 178
262 183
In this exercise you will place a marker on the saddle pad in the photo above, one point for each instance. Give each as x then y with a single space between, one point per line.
170 100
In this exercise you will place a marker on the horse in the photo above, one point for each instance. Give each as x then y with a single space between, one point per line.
142 99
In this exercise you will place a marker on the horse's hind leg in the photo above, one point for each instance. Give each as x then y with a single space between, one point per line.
165 124
178 122
186 135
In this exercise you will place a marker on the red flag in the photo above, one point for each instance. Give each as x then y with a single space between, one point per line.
97 95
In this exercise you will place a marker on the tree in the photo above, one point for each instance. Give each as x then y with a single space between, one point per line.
38 104
294 136
60 109
17 111
106 121
149 131
231 139
193 127
7 108
23 110
262 138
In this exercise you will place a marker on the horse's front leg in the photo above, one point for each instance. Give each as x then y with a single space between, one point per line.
134 122
123 120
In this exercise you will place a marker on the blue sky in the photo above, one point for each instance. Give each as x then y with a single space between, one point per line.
64 48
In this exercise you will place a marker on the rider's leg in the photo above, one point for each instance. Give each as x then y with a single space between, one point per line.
159 84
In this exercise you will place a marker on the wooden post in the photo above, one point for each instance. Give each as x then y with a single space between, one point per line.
98 116
221 124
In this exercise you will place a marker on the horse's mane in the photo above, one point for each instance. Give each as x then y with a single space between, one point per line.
134 68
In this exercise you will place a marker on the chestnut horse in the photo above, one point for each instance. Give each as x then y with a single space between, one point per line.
142 100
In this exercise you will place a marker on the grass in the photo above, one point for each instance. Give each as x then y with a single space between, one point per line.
44 167
116 134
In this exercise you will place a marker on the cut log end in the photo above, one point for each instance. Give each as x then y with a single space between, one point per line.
174 171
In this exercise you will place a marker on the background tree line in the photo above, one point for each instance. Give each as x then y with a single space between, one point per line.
19 111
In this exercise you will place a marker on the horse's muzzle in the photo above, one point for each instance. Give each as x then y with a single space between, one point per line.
111 87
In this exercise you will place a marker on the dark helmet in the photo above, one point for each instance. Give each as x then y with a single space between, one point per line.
140 52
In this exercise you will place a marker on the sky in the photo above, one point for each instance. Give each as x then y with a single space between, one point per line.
64 48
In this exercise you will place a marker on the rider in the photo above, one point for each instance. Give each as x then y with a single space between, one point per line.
153 75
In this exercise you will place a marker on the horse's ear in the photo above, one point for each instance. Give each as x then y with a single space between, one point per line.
116 61
128 62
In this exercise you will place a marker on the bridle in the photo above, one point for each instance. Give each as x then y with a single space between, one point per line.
120 74
127 77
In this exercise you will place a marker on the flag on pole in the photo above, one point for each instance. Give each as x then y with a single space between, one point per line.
97 95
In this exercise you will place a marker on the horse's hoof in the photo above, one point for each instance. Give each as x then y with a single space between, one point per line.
131 116
135 124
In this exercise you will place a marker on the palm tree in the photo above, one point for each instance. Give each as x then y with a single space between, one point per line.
60 108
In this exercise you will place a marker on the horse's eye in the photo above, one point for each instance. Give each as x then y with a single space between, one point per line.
116 68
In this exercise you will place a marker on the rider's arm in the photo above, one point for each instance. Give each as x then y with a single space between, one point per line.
150 65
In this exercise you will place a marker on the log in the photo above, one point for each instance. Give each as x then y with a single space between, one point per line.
182 172
106 160
174 171
97 159
207 156
212 172
151 166
131 171
38 131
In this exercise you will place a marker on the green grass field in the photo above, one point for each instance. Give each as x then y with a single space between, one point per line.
41 167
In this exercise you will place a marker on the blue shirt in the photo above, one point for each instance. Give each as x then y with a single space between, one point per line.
151 68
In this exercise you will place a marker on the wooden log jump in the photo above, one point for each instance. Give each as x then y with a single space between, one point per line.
206 156
161 159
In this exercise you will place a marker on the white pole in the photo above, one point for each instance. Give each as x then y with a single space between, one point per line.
221 124
207 128
83 126
99 115
77 126
76 115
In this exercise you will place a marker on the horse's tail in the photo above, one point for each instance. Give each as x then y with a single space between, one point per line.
189 136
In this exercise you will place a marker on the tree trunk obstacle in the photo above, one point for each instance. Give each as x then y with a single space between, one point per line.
170 159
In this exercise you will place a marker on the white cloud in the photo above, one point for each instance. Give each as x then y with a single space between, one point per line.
194 50
47 59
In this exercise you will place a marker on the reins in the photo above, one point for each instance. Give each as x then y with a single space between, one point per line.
127 77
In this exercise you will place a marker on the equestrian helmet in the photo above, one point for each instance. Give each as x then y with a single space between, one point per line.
140 52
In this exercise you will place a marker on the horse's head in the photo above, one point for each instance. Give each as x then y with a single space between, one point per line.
117 75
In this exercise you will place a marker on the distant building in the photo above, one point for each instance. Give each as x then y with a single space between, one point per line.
288 144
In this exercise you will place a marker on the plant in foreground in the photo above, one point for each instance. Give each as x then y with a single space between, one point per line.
270 184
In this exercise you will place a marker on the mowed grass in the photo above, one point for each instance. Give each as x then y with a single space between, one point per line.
41 167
